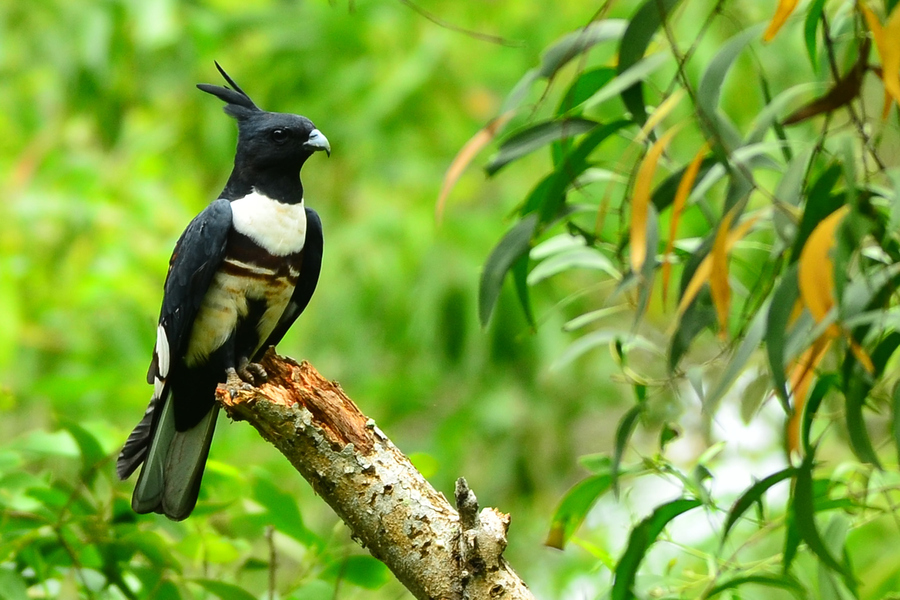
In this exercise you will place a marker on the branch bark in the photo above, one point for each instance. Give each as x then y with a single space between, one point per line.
435 551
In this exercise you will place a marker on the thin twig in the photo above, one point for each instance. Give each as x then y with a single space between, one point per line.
484 37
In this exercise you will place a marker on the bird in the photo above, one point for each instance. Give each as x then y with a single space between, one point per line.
240 274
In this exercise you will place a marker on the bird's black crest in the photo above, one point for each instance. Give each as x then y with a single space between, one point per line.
238 103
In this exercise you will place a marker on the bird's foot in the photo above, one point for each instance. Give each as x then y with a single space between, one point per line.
251 372
234 383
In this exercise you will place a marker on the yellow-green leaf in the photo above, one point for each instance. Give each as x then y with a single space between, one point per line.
681 195
640 200
784 10
816 268
718 276
800 380
887 40
702 274
465 156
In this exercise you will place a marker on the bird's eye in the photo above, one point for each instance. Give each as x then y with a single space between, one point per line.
280 135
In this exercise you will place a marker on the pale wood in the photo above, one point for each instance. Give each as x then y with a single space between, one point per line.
389 507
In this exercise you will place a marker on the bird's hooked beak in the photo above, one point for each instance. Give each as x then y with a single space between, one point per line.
317 141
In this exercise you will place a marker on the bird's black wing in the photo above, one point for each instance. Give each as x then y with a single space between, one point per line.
306 284
197 255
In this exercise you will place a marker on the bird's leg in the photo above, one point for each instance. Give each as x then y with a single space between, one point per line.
251 372
234 382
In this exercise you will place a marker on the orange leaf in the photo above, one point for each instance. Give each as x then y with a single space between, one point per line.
800 379
465 156
640 200
887 41
816 269
784 10
681 195
718 276
702 274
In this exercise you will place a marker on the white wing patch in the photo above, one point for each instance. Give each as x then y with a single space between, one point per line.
162 352
278 227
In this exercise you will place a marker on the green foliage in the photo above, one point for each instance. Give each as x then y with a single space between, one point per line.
786 245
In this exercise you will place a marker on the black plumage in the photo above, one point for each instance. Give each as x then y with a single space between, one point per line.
239 276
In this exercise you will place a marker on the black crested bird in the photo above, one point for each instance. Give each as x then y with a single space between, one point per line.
239 276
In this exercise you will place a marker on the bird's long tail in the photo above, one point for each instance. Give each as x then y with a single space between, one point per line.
174 460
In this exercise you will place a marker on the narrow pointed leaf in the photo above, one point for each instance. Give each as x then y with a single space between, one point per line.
784 10
810 27
689 176
625 429
465 156
710 88
800 379
224 591
753 495
784 582
574 507
738 360
640 200
816 271
718 274
803 510
640 540
641 29
520 278
783 301
531 138
516 243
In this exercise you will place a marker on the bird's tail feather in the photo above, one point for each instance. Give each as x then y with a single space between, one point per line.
173 466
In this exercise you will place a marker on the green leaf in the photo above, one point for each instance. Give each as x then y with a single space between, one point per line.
710 88
549 196
574 507
791 541
803 508
91 451
753 495
626 427
698 316
601 337
224 591
560 53
664 194
515 244
810 27
824 383
282 511
820 203
576 258
641 29
577 42
783 300
856 390
835 538
895 397
520 279
637 73
584 87
640 540
784 582
735 366
531 138
364 571
12 586
648 269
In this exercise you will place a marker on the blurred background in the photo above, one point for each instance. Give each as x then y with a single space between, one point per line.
107 150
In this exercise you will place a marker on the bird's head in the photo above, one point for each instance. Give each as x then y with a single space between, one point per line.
267 140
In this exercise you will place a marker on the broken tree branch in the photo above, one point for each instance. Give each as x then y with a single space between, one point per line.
389 507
